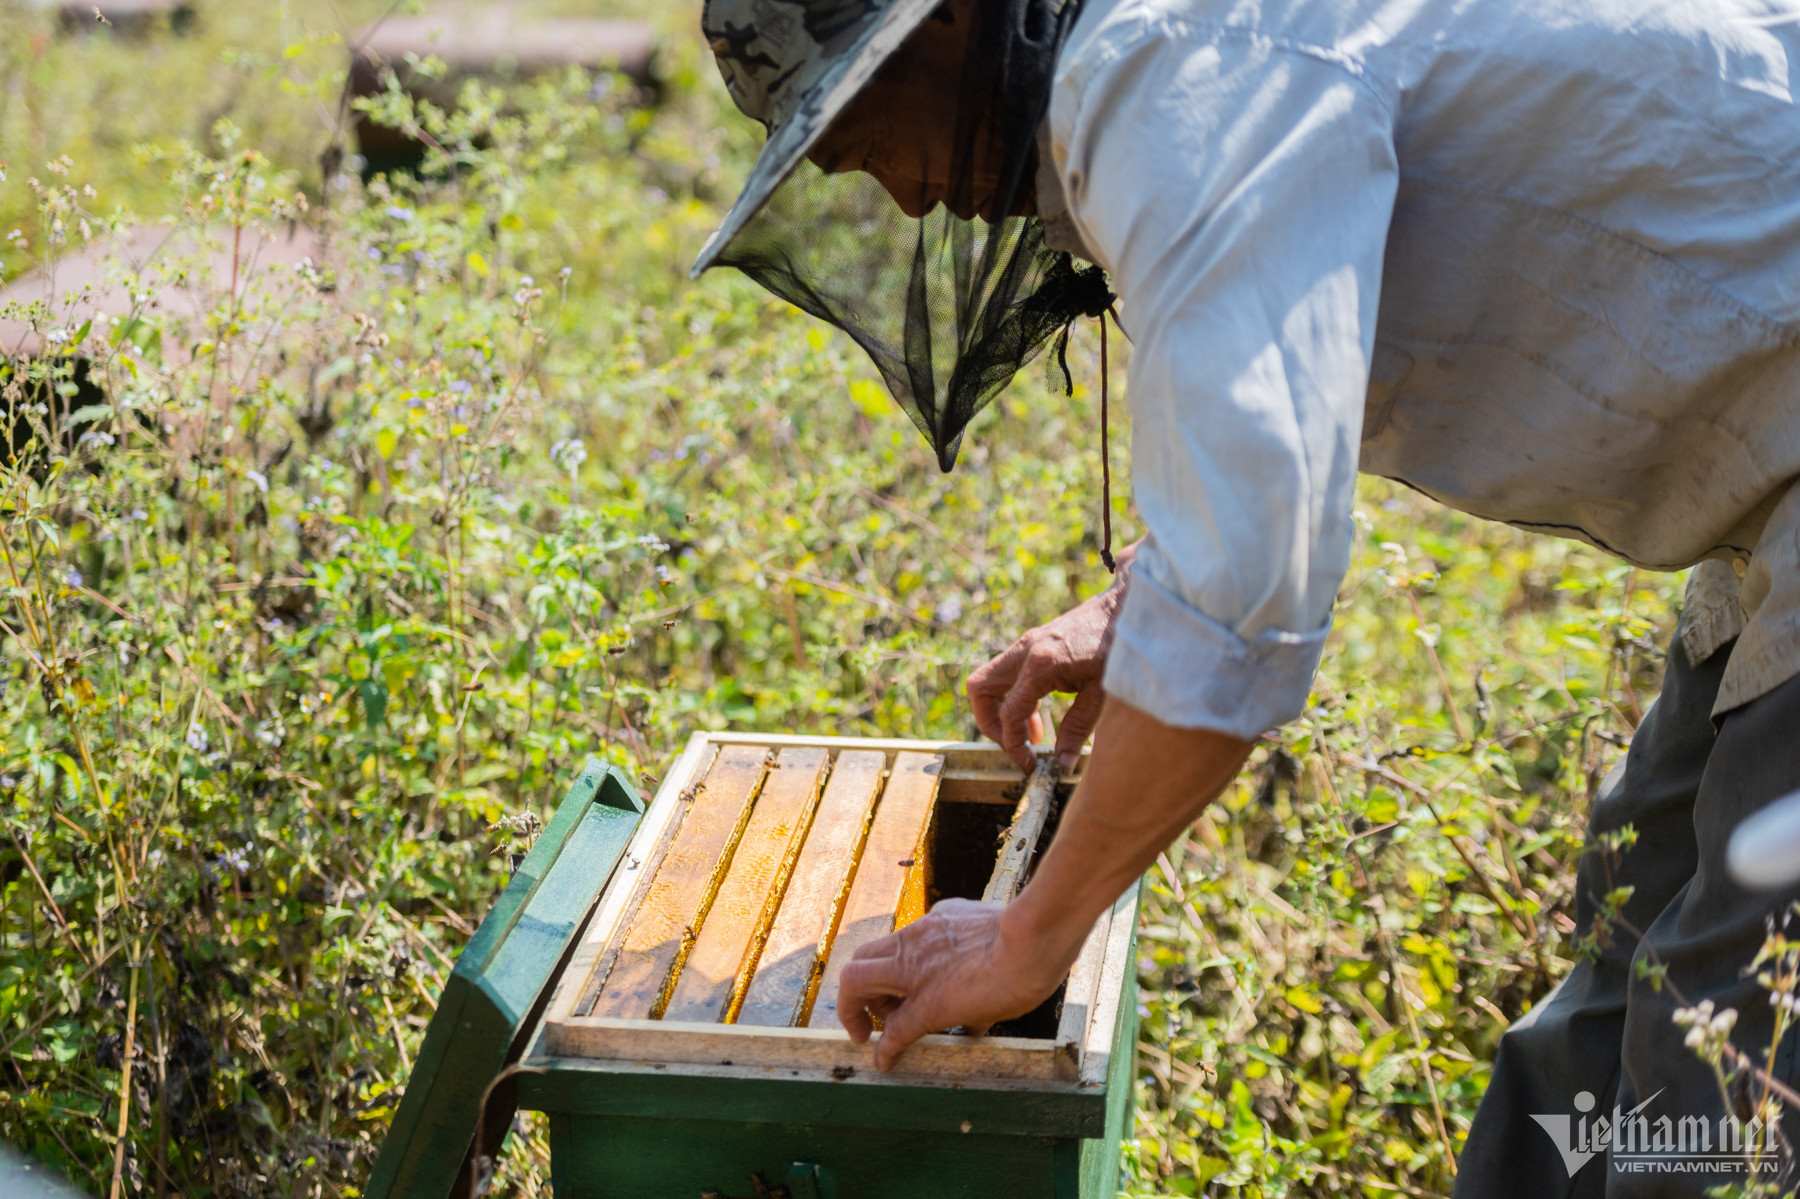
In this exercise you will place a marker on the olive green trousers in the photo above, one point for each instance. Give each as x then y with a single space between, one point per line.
1594 1092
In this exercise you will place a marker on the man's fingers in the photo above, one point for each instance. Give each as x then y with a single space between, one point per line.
1078 724
899 1030
996 675
873 981
874 987
1016 714
867 978
987 713
883 1007
988 685
1006 692
856 1022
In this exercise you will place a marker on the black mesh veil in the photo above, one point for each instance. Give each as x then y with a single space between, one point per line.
949 304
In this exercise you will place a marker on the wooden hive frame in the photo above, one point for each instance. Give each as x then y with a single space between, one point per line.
971 773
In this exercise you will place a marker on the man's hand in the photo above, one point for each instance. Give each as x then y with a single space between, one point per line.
954 966
1067 655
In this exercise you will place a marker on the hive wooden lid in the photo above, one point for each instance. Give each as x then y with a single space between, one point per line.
497 991
82 14
474 40
97 279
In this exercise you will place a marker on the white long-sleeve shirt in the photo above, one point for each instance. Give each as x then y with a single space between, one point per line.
1539 259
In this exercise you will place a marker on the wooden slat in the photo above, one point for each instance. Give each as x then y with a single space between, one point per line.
800 940
741 1045
1007 778
986 750
1079 992
663 928
915 893
724 955
958 755
599 948
1116 967
892 858
1022 837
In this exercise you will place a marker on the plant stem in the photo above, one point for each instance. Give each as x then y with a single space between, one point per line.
125 1071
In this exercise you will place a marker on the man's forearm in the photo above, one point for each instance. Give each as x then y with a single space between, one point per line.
1145 782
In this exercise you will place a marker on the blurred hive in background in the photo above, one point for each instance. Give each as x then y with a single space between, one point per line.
143 282
135 17
490 42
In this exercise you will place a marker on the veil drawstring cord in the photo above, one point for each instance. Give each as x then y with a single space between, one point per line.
1106 554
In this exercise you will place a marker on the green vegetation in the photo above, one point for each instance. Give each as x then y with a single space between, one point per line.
325 597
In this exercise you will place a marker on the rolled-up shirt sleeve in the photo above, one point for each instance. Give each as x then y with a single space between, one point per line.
1239 193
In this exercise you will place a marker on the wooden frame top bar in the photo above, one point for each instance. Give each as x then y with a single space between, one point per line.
1022 836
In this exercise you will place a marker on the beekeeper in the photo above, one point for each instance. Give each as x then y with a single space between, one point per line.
1539 259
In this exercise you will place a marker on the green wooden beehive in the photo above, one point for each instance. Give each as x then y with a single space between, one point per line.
685 1041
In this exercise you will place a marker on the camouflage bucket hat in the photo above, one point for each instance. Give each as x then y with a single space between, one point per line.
794 65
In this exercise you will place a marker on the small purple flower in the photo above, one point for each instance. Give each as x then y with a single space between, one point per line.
569 453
